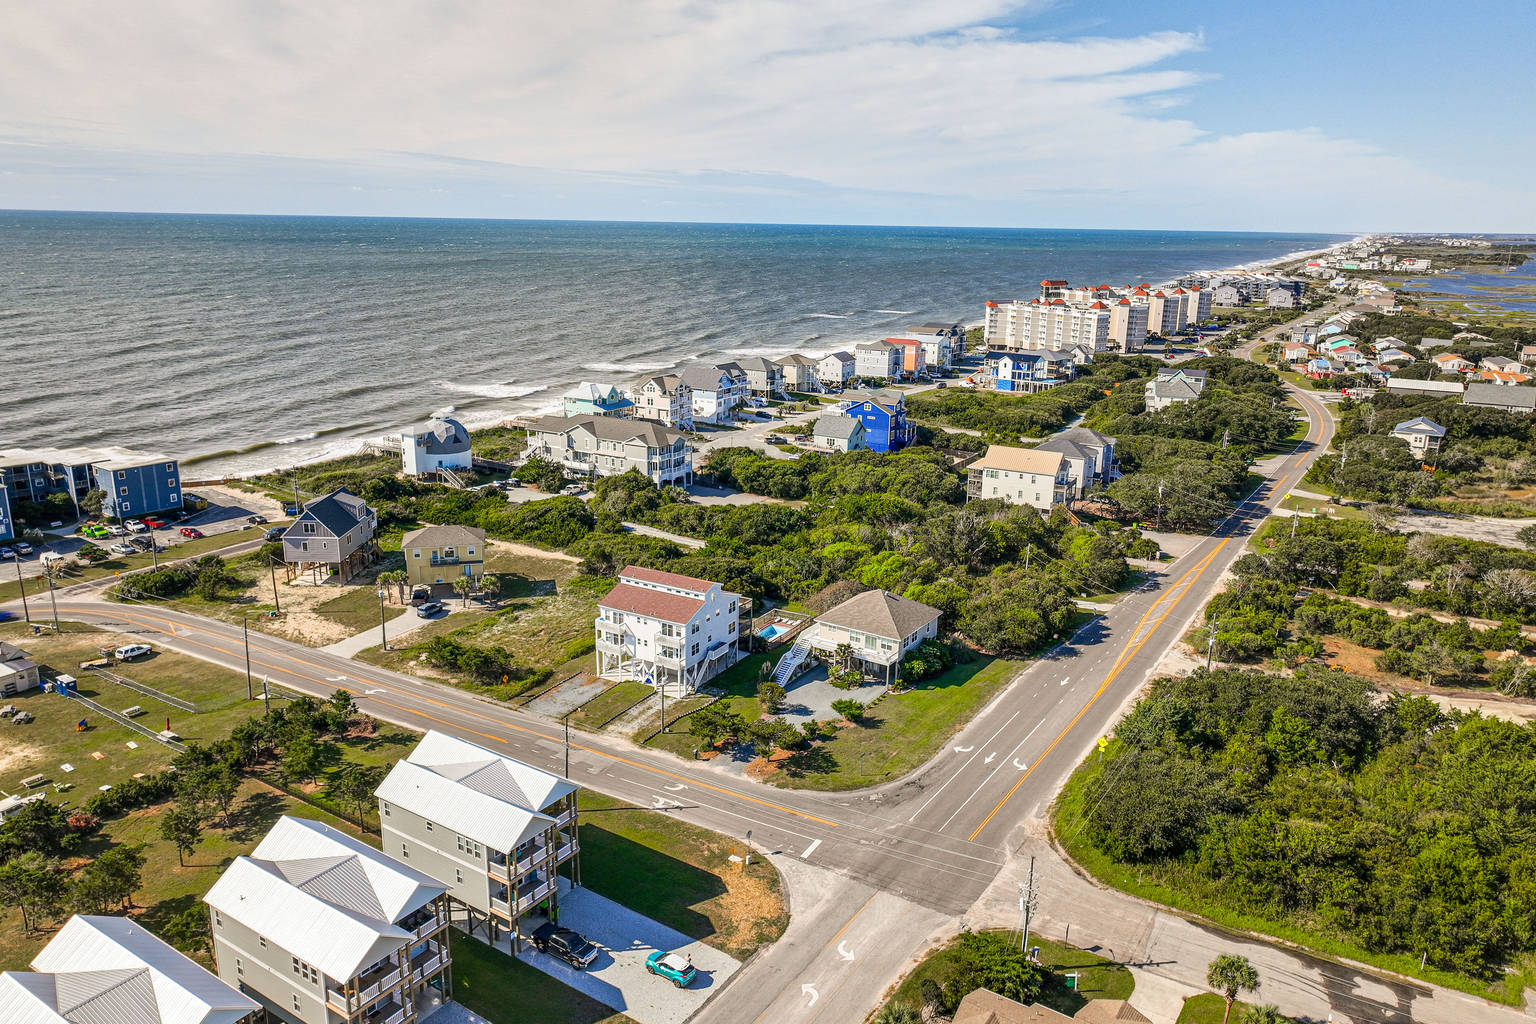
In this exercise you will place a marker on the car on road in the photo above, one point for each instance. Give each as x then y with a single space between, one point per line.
135 525
128 652
256 520
191 531
431 608
564 944
776 439
154 523
573 488
123 548
675 967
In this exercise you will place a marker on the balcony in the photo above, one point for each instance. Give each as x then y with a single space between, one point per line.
427 962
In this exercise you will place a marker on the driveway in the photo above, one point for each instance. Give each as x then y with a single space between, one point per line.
811 696
618 977
568 695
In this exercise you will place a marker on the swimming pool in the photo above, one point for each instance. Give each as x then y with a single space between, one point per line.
769 632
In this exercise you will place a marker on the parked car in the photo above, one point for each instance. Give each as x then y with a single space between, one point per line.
191 531
573 488
565 944
7 552
154 523
420 596
135 525
431 608
276 533
116 531
123 548
675 967
256 520
776 439
23 548
128 652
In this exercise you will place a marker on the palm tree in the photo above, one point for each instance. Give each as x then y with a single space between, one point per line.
396 578
491 584
1266 1014
463 586
1231 975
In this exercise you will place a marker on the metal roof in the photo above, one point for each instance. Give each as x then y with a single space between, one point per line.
323 896
1020 460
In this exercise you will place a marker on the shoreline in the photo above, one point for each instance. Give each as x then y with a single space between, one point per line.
499 417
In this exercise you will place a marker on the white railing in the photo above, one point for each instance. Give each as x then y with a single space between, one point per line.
790 663
397 1017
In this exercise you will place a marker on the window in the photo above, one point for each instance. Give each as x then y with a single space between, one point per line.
309 527
121 475
239 967
170 467
296 1005
469 846
695 649
470 551
731 628
415 552
429 826
458 875
218 922
405 852
263 940
385 807
122 490
303 545
305 971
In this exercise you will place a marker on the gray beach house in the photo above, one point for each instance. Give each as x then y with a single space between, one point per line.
333 535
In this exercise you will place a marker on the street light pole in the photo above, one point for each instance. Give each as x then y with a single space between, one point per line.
383 636
25 611
245 634
566 718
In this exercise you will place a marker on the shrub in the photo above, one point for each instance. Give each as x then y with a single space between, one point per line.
848 708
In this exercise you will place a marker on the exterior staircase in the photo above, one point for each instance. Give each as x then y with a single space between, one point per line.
450 478
791 660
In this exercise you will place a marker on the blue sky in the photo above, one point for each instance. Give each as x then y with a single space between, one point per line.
1347 116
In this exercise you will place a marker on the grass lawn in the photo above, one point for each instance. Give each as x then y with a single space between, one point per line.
1166 884
504 990
611 703
1099 978
1208 1008
901 732
357 608
680 875
1322 507
181 547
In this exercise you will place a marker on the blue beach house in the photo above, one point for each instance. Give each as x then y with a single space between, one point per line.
884 415
588 399
136 485
1029 370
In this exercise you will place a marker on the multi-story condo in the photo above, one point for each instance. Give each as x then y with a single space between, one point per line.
665 400
836 369
799 373
134 484
1127 326
669 631
323 929
1088 454
1029 370
1200 297
110 970
884 415
717 391
1049 324
599 446
765 378
589 399
872 632
137 485
493 830
879 359
441 554
1020 476
440 446
1170 387
333 535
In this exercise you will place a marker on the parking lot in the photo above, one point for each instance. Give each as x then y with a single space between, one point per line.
618 977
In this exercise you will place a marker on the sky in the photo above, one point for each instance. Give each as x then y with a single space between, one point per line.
1308 116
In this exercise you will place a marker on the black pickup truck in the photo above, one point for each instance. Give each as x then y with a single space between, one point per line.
565 944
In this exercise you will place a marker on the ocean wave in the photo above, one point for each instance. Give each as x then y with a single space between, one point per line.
898 312
311 436
510 389
831 316
637 367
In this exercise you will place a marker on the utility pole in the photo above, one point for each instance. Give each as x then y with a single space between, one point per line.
1160 504
383 636
25 611
273 566
245 634
566 718
662 689
1028 900
1029 549
1210 645
52 599
1293 526
266 696
296 490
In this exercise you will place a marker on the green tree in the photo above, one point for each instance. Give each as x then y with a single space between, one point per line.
770 695
302 759
108 882
182 826
713 724
33 885
991 961
92 500
396 578
848 708
353 785
464 586
1269 1013
188 931
215 785
898 1013
1231 975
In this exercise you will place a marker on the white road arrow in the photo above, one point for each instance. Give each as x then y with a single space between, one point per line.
675 788
989 758
843 952
334 679
1019 764
366 692
811 991
964 750
1065 681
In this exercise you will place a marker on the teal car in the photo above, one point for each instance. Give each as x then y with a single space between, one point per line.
674 966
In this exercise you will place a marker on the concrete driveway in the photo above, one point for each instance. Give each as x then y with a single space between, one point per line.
618 977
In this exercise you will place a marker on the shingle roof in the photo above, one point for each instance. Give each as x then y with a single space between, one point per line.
443 536
758 364
835 424
666 579
702 376
1085 435
656 604
797 359
1110 1011
882 613
840 356
610 428
441 435
1500 395
329 899
336 516
983 1006
1066 447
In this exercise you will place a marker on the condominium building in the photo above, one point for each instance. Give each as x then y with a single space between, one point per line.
716 390
135 484
110 970
1127 326
1049 324
1020 476
664 399
323 929
880 359
669 631
600 446
494 830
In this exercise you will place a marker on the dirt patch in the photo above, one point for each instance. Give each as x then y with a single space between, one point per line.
15 754
761 768
748 907
525 551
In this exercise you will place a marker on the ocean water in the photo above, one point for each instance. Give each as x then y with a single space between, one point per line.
242 343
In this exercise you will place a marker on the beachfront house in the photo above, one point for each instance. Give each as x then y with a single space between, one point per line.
1304 334
601 446
1170 387
669 631
442 554
716 391
839 433
879 359
333 536
1421 435
1520 401
438 447
1089 456
799 373
493 830
884 415
111 970
1029 370
1020 476
591 399
870 632
664 399
765 378
18 672
943 343
836 369
914 361
322 928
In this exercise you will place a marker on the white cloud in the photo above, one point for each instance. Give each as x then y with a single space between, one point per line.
932 99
